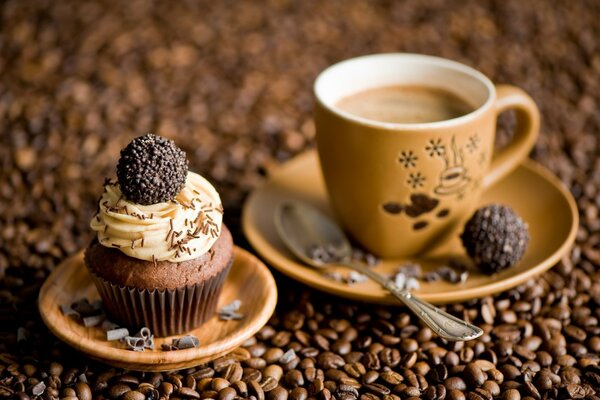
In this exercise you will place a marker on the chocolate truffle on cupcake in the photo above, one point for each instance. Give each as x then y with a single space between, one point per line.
162 251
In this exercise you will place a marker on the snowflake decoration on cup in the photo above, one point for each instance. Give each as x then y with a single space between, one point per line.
416 180
435 148
408 159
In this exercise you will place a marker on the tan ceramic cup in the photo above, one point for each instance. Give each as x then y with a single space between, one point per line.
400 189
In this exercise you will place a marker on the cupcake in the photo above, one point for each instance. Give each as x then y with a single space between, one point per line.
162 252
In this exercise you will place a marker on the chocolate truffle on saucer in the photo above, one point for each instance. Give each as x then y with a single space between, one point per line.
495 237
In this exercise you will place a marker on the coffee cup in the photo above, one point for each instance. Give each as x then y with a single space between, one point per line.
406 146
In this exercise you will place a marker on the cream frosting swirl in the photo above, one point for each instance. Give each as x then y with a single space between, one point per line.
176 230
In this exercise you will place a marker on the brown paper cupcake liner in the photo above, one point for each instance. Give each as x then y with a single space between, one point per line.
166 312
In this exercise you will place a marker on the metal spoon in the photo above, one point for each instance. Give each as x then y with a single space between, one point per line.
303 229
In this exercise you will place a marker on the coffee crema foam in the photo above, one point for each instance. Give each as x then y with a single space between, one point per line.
405 104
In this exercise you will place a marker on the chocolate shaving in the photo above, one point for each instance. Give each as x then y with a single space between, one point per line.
83 307
229 311
140 341
22 334
411 270
287 356
186 342
182 343
116 334
355 277
93 320
68 311
108 325
333 275
38 388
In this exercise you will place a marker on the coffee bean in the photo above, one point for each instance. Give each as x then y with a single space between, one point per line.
255 362
532 390
455 383
543 358
455 394
272 355
201 385
328 360
166 388
371 361
341 347
495 375
491 387
118 390
209 394
330 385
299 393
256 350
335 375
281 339
474 376
390 357
278 393
510 372
409 360
240 387
269 383
135 395
438 373
274 371
482 393
189 393
255 389
227 393
391 377
233 372
218 384
240 354
574 391
421 368
355 369
149 391
83 391
324 394
411 391
223 362
511 394
316 387
203 373
377 388
370 377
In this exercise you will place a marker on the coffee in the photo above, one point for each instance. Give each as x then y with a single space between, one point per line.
405 104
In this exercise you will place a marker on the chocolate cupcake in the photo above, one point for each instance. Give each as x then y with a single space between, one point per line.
162 251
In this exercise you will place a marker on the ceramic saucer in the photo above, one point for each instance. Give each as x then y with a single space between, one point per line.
249 280
533 192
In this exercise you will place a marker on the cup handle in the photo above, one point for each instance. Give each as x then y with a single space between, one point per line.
528 124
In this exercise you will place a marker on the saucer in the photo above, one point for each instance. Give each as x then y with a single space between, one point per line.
249 280
532 191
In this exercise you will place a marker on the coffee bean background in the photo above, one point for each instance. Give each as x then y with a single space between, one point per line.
230 82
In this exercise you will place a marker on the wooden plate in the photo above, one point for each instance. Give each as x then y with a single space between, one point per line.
249 280
533 192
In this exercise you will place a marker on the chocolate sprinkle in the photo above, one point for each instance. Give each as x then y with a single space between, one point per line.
151 170
495 238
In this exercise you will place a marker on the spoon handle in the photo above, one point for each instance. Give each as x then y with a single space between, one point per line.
445 325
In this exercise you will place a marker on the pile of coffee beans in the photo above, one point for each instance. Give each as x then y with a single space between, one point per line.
230 82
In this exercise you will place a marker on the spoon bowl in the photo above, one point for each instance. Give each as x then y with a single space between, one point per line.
303 229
